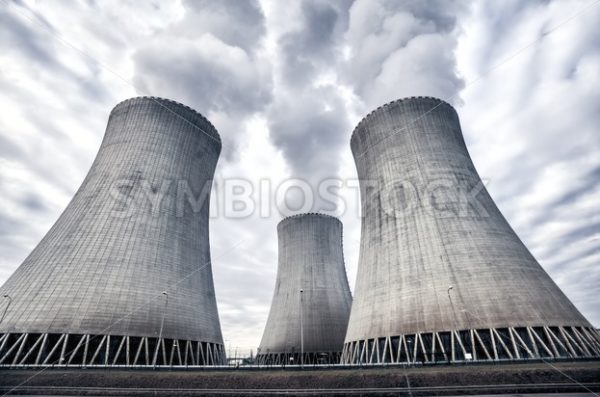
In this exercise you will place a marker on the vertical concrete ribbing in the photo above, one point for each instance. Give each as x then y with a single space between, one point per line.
311 259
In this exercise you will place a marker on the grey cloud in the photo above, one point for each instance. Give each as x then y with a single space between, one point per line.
582 233
21 33
402 48
441 13
10 225
502 18
589 181
17 238
310 129
205 74
34 203
16 35
567 263
207 61
315 45
308 121
9 149
578 190
219 81
397 49
244 276
425 66
236 23
238 280
35 15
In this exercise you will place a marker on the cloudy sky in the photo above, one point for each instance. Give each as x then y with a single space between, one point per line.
285 83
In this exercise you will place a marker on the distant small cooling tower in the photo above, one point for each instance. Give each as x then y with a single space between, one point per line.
442 277
124 276
312 299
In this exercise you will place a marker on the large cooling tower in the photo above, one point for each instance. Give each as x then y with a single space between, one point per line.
311 304
127 264
441 275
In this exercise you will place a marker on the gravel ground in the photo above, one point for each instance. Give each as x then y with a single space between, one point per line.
440 380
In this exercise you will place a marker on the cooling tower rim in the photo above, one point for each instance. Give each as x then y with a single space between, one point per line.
213 131
394 102
308 214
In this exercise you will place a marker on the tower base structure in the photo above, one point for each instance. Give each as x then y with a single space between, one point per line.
73 350
310 358
491 344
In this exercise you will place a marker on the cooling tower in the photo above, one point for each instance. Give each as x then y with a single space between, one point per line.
442 277
312 300
124 275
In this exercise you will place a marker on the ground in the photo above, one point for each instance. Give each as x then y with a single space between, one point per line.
432 380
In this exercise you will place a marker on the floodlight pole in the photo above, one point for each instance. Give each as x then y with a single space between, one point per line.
301 330
162 323
7 306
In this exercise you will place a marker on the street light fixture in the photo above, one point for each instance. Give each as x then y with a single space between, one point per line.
6 308
162 323
301 330
413 359
450 288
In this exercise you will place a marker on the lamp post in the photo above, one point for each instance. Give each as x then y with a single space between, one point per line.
465 315
162 323
227 346
301 330
450 288
6 308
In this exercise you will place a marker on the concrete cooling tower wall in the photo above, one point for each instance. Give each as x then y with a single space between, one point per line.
312 300
441 275
124 276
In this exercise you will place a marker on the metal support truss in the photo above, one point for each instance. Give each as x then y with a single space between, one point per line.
24 349
491 344
310 358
